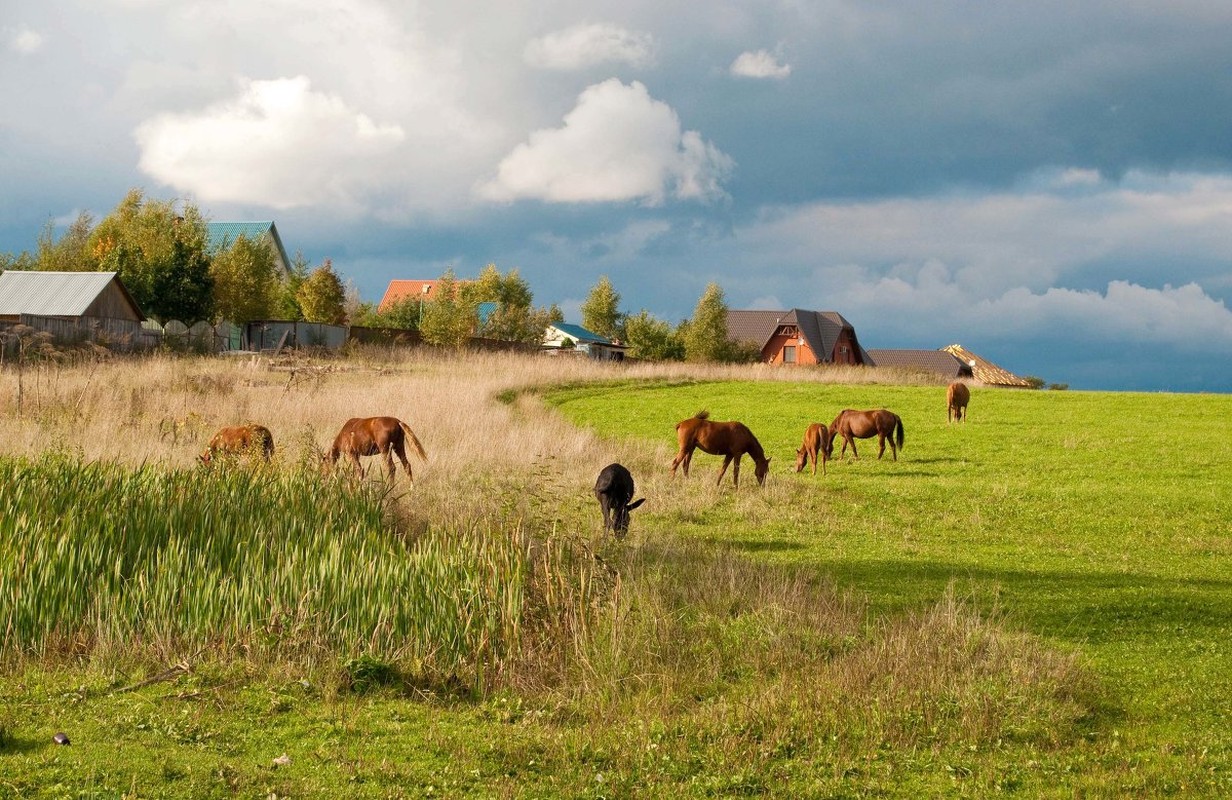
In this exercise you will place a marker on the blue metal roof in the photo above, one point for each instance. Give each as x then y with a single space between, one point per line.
224 234
580 333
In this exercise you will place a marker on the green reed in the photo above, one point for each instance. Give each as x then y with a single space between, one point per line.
98 557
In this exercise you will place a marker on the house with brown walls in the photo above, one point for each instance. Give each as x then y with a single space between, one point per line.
798 336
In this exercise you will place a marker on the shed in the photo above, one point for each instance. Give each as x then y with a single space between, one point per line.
564 337
798 336
74 307
65 295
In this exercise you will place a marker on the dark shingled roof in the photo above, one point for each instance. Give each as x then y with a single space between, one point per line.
938 361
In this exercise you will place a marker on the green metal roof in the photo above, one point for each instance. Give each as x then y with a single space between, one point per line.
224 234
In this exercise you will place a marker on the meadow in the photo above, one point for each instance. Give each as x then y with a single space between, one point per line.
1035 602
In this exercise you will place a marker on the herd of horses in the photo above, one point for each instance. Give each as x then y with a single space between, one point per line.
733 440
614 488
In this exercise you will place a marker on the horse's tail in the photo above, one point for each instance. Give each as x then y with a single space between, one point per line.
898 430
267 442
410 435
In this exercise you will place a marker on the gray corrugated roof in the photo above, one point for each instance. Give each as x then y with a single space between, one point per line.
51 294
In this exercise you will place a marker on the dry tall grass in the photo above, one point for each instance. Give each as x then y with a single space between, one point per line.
163 410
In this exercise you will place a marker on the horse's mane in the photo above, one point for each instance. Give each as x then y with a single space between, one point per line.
703 414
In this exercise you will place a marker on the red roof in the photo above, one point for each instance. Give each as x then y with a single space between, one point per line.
400 290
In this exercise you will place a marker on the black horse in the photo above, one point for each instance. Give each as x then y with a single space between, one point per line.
614 490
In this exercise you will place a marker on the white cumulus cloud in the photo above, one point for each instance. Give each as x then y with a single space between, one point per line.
1184 315
584 46
24 40
759 64
617 144
277 143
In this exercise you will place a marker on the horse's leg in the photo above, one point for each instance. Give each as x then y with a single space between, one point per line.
723 471
406 465
359 470
812 454
389 463
736 470
680 459
850 438
881 445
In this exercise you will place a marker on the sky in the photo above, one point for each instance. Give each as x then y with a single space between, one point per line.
1048 184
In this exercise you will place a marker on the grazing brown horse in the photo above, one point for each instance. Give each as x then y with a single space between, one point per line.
816 442
852 425
370 436
956 399
728 439
238 439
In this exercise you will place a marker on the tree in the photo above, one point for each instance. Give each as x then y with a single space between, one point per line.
705 339
447 320
601 310
288 296
513 319
72 252
156 249
185 289
246 285
23 261
406 314
652 339
322 297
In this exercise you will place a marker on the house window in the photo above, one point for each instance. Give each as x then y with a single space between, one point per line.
789 354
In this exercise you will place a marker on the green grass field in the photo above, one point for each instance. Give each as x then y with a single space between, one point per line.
1101 522
1034 603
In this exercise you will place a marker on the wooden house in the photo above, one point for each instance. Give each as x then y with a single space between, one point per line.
73 306
798 336
66 295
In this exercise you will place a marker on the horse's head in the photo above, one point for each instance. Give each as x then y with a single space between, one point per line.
206 457
620 523
801 459
760 471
